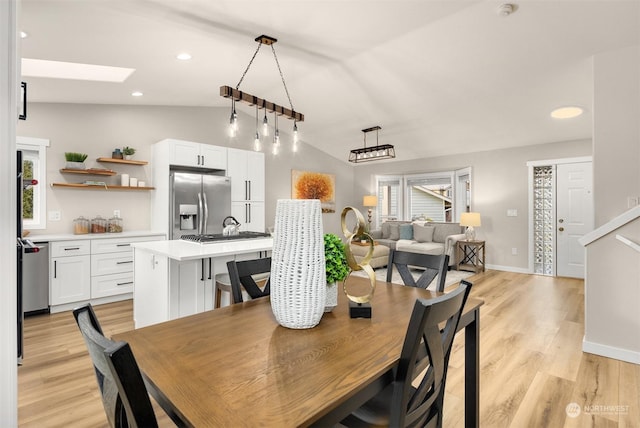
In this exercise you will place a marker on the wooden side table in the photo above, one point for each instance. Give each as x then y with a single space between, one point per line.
470 256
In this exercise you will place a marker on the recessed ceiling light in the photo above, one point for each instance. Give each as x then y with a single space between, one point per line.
24 34
567 112
75 71
136 94
184 56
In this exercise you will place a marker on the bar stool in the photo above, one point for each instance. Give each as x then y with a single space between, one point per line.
223 283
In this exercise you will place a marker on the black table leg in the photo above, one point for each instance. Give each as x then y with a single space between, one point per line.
472 371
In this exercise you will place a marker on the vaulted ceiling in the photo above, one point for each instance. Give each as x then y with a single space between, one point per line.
439 77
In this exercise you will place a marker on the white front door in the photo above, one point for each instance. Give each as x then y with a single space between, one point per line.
574 216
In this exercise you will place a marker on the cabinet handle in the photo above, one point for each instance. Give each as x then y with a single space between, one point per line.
202 270
72 248
55 268
246 190
121 263
209 268
249 207
198 163
124 283
123 245
202 160
249 198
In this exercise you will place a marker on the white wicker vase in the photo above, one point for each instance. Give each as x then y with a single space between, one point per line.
298 277
332 296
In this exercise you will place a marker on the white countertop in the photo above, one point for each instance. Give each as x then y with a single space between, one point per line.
185 250
71 237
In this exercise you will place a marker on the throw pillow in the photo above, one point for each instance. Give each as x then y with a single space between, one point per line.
394 231
406 231
385 230
423 233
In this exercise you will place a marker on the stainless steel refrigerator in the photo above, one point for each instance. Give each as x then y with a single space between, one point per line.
199 203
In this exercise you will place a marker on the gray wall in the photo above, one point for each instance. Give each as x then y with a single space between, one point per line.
98 129
498 182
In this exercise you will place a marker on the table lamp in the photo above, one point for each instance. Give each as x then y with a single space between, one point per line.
370 201
470 220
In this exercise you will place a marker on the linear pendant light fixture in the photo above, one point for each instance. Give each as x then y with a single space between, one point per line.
377 152
237 95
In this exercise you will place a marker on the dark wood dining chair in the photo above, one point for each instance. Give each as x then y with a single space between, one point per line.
124 394
415 397
246 274
434 265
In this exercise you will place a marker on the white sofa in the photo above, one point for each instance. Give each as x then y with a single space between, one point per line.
421 237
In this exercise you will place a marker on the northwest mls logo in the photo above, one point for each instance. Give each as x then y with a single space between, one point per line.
573 410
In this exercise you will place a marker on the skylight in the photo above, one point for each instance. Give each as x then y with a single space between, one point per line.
75 71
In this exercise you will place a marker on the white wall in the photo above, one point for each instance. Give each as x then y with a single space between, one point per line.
498 181
98 129
8 116
612 283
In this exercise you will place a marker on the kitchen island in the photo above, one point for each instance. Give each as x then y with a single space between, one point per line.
176 278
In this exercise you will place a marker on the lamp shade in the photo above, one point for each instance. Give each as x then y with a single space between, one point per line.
370 201
470 219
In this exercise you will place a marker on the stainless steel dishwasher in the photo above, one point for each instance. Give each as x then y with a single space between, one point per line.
35 280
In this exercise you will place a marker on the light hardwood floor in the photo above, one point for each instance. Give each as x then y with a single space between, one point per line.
532 365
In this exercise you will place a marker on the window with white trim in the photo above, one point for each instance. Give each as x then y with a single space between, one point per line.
34 165
434 196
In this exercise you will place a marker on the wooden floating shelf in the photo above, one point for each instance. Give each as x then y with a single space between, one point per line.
99 186
90 171
122 161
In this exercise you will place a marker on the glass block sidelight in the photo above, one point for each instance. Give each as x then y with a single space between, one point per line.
543 246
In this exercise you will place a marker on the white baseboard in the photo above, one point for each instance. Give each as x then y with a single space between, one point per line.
611 352
508 268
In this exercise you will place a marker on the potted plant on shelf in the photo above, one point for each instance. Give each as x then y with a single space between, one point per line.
75 160
336 268
128 152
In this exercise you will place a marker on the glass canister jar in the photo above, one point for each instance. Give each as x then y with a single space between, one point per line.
80 226
115 225
98 225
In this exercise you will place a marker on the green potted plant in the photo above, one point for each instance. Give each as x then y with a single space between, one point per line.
336 268
128 152
75 160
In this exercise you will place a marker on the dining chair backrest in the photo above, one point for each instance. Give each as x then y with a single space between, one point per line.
242 274
418 396
124 395
415 395
434 265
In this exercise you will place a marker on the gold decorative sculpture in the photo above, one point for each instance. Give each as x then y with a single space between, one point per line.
362 307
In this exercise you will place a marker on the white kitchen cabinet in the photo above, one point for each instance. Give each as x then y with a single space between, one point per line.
70 267
97 270
194 293
176 278
187 153
250 214
246 169
112 265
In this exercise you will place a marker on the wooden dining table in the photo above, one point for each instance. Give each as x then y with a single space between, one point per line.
236 366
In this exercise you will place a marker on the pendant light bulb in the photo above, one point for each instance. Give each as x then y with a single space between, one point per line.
233 120
274 149
265 124
277 138
295 133
256 143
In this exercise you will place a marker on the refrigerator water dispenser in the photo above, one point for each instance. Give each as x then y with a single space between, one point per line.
188 217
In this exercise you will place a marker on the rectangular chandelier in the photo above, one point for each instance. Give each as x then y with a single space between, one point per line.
372 153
